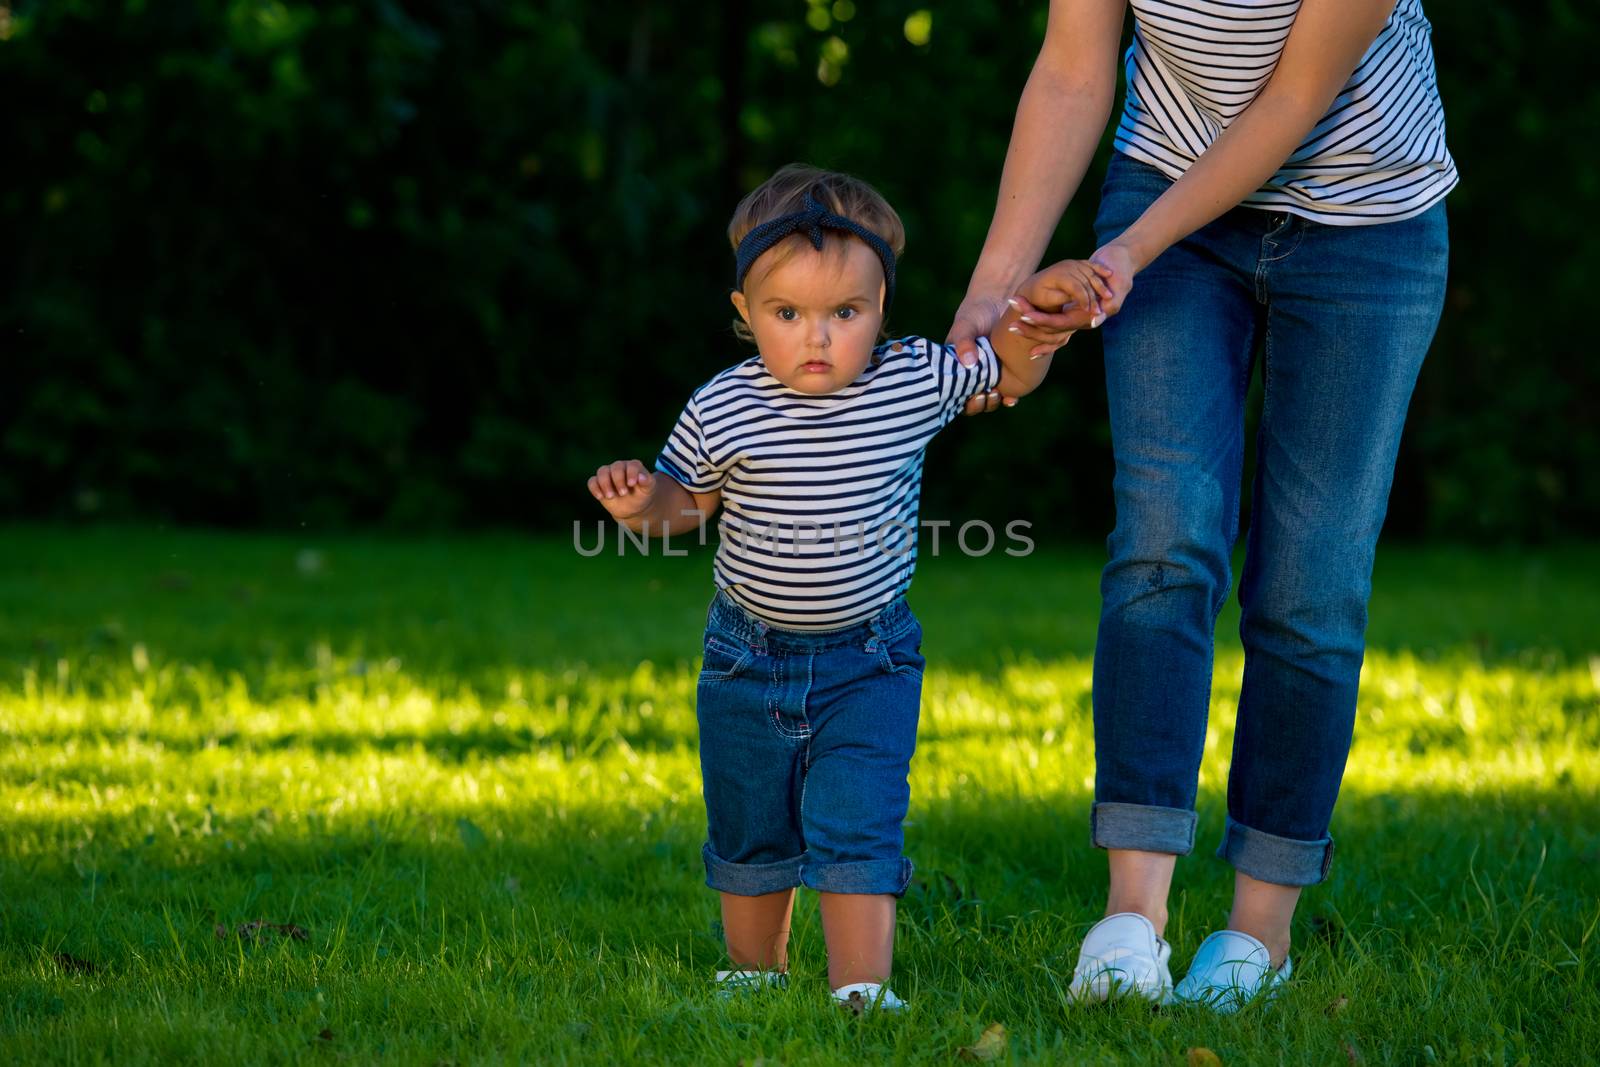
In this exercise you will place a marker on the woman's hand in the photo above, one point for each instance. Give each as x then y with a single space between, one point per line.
977 317
1058 301
1050 330
1119 262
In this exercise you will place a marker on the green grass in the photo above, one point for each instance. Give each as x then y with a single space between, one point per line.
466 768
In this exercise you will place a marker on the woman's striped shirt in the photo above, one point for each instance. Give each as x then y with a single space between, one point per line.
1378 155
820 492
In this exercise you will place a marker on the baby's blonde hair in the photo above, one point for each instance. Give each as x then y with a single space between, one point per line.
787 191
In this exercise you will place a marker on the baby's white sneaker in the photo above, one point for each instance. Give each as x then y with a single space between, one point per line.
737 983
861 997
1122 956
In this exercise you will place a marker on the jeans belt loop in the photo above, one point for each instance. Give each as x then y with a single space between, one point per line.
759 638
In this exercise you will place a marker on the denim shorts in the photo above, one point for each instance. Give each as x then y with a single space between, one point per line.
806 740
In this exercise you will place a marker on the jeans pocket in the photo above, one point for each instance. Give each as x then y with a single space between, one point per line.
903 654
725 658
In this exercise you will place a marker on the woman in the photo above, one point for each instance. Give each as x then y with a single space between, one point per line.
1279 177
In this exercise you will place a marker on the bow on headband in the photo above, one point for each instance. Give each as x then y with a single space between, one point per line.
811 222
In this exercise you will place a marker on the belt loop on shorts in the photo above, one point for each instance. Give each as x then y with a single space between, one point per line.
744 625
875 624
758 639
896 607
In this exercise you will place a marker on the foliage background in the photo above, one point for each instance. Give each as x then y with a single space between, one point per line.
420 265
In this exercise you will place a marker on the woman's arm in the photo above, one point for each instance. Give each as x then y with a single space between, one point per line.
1062 113
1323 48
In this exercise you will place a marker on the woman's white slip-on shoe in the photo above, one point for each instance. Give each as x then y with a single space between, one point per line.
1122 955
732 984
1230 969
862 997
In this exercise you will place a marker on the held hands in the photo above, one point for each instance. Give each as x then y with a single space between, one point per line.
1090 299
1112 267
624 488
1059 300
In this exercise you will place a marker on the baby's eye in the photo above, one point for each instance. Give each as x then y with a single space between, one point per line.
787 314
846 313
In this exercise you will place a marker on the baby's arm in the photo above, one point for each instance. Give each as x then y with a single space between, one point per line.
1072 284
645 501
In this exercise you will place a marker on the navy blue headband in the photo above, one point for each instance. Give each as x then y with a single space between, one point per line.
811 222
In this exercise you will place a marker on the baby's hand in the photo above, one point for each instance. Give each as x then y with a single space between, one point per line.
624 488
1076 282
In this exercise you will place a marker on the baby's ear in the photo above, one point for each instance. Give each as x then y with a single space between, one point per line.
740 305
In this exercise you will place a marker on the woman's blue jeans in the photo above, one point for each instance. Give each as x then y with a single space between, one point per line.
1344 316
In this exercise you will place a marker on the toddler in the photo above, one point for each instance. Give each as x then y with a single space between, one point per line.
812 673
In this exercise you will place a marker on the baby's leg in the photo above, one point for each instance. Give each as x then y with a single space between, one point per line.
757 929
864 706
752 774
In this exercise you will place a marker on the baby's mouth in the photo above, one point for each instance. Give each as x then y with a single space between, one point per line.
815 366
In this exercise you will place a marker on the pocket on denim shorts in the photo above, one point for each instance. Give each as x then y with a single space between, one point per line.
725 657
903 654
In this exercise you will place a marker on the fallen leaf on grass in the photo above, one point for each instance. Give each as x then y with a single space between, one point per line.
991 1045
324 1034
1202 1057
1352 1053
255 931
1339 1005
73 965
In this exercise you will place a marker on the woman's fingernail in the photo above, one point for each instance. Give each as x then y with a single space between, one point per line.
1097 320
1013 328
1013 302
1026 319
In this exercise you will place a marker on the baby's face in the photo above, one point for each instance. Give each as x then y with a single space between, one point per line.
816 314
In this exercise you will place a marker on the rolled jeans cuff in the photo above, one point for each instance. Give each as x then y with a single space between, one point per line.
859 876
749 879
1279 860
1143 827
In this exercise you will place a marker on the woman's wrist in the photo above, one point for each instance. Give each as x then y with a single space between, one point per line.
1136 246
996 281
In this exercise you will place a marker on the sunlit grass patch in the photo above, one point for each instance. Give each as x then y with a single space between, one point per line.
468 770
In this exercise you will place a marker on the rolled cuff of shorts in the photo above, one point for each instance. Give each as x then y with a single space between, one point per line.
859 876
1280 860
1143 827
749 879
